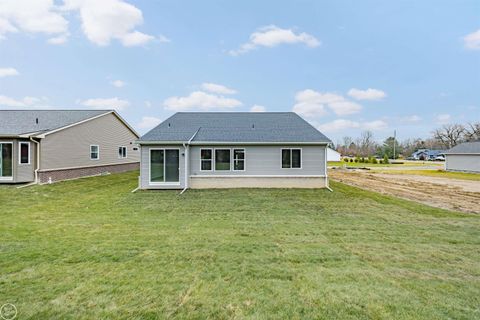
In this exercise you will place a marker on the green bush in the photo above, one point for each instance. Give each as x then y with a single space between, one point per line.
345 159
385 158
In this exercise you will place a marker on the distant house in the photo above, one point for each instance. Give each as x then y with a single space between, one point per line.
463 157
233 150
51 145
333 155
427 155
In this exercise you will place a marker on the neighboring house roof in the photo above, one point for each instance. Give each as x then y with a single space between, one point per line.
465 148
428 152
39 122
235 127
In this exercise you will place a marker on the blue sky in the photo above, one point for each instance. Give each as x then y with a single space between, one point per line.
345 66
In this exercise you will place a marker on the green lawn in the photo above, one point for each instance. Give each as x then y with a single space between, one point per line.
436 173
404 164
91 249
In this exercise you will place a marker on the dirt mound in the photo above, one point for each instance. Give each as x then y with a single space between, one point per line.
453 194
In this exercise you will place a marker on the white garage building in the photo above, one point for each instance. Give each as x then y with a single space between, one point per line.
464 157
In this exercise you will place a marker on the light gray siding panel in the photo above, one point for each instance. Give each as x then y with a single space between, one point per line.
145 167
21 172
457 162
266 160
70 148
25 172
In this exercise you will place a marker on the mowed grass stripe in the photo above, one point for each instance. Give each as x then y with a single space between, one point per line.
92 249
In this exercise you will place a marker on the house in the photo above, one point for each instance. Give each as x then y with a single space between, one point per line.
333 155
233 150
463 157
51 145
427 154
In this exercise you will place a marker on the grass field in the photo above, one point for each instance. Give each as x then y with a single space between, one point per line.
436 173
373 165
91 249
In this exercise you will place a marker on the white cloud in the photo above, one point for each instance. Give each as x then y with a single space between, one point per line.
346 107
343 124
108 103
135 38
118 83
102 21
24 102
149 122
31 16
6 72
148 104
443 118
200 100
311 103
338 125
472 41
271 36
58 40
369 94
162 38
374 125
412 118
217 88
257 108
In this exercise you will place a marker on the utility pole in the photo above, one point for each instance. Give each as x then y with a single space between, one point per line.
394 139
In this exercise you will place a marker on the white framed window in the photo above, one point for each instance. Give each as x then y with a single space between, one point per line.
238 159
122 152
24 152
222 160
291 158
206 159
94 152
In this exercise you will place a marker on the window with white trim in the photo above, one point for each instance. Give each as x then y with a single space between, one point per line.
206 159
238 159
222 159
94 152
122 152
291 158
24 152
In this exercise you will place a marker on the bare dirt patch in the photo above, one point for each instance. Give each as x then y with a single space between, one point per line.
452 194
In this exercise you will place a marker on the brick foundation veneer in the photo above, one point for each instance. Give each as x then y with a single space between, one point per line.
67 174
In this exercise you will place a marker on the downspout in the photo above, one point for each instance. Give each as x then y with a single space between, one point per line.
186 146
326 170
37 164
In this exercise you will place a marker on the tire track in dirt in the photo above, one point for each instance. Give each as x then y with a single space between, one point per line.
459 196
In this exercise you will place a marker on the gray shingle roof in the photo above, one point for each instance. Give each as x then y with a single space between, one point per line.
17 122
238 127
467 147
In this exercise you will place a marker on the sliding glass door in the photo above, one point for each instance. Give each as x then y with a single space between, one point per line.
6 160
164 165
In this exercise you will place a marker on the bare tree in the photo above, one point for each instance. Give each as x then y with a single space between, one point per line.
472 132
366 144
450 135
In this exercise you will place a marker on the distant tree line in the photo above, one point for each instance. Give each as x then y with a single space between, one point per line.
442 138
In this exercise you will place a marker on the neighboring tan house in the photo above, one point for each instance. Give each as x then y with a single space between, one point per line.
233 150
51 145
464 157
